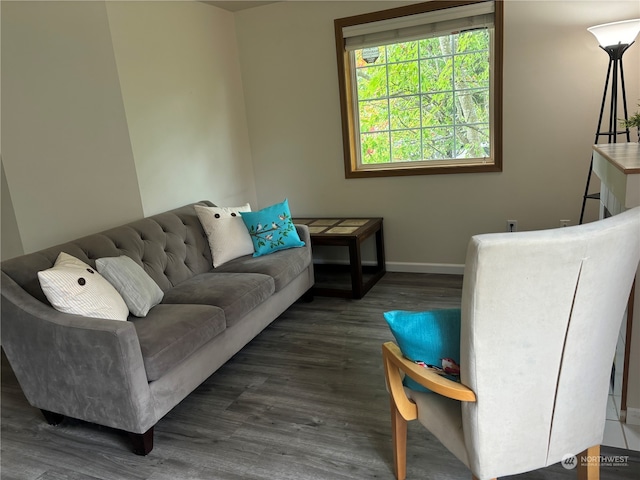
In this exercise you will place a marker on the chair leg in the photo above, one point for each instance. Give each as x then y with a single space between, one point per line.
399 435
589 464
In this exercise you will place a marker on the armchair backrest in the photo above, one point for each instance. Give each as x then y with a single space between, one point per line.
541 313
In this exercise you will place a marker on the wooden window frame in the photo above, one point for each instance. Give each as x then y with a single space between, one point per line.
348 113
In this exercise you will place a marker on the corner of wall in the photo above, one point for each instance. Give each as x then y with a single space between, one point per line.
10 241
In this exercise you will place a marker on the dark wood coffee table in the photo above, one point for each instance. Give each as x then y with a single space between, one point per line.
348 232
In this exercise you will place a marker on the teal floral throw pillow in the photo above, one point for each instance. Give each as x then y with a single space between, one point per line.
271 229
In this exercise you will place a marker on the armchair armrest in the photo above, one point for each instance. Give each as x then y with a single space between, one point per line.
394 362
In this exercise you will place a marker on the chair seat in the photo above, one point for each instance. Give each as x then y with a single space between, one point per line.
442 416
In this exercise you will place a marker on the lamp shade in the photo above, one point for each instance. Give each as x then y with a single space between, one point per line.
615 33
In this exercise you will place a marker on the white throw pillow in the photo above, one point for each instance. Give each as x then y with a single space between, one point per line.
137 288
72 286
228 235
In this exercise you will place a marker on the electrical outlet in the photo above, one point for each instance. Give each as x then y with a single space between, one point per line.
512 225
565 223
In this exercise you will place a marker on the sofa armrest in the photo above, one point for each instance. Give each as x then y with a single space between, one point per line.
305 236
303 233
85 368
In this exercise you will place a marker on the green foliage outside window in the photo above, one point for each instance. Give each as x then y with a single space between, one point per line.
425 100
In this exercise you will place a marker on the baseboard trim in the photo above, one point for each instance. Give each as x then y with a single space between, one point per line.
405 267
442 268
633 416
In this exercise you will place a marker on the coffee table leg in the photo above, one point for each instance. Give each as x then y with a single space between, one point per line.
355 260
380 250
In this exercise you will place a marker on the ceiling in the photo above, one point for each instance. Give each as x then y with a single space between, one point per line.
236 5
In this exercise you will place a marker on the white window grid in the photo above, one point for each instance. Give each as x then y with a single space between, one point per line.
455 125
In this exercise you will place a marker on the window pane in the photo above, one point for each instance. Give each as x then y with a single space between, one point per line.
403 78
372 82
432 98
473 40
436 47
401 52
437 109
374 115
374 148
361 62
436 74
472 106
406 146
437 143
472 70
405 112
472 141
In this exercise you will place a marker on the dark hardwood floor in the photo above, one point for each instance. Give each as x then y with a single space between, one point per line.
305 400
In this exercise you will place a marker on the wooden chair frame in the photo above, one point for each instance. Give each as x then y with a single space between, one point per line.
403 409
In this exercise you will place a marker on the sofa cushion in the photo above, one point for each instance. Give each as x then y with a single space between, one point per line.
236 293
282 266
170 333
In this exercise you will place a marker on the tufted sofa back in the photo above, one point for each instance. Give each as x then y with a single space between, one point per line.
171 247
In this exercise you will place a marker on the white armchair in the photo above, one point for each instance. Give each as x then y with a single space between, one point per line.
541 312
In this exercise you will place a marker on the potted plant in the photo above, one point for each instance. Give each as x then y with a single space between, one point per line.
633 121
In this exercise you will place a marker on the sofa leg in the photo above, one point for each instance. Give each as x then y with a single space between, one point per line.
52 418
307 297
142 442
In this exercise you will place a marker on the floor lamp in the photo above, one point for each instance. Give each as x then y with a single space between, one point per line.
615 39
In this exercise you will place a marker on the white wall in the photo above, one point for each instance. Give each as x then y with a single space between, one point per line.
65 150
553 79
182 91
116 111
10 242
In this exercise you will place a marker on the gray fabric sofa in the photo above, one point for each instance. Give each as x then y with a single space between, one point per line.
128 375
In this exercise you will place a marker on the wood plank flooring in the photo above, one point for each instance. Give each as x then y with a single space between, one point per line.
305 400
